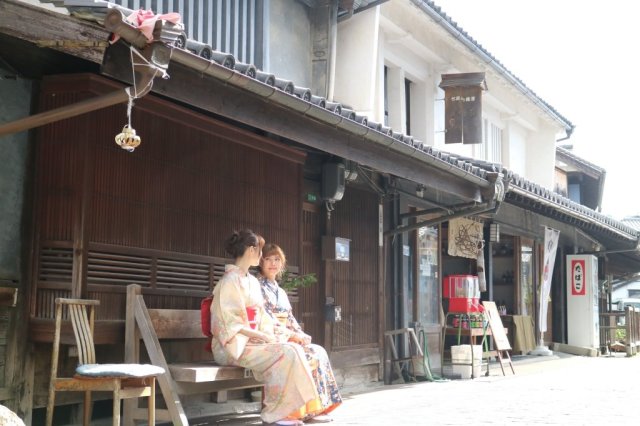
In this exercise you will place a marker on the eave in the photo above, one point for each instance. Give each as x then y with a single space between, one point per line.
224 92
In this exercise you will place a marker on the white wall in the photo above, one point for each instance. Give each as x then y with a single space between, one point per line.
515 149
414 47
357 61
541 157
289 53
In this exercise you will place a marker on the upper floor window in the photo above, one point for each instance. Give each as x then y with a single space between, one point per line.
491 147
399 100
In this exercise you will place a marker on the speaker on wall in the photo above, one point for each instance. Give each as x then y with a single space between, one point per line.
333 182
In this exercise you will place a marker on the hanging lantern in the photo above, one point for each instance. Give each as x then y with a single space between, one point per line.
128 139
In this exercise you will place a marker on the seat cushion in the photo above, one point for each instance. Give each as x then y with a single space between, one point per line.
119 370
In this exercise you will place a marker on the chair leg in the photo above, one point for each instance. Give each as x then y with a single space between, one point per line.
116 406
86 413
152 403
50 404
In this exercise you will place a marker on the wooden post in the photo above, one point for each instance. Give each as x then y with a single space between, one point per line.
20 363
628 327
131 348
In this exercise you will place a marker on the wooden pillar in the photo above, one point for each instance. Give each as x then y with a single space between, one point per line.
82 201
328 269
20 365
382 300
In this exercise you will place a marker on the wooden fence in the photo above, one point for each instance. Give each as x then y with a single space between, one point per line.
628 321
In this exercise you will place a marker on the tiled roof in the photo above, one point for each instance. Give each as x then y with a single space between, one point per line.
516 185
633 222
568 156
538 193
409 145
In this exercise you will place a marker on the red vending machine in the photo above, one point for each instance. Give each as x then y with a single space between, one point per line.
462 293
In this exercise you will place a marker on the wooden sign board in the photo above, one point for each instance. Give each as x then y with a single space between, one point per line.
497 329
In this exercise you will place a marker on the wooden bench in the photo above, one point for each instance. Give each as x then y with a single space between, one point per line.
193 377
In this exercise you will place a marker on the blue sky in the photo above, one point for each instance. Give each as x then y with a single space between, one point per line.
581 57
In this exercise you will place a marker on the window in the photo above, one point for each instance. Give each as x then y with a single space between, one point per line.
491 147
426 270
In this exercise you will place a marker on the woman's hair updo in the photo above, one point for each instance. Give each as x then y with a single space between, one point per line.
238 242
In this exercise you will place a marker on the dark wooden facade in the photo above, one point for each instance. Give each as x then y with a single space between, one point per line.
157 217
104 218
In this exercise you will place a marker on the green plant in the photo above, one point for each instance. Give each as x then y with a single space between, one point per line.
290 282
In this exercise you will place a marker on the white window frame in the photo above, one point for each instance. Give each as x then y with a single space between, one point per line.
491 147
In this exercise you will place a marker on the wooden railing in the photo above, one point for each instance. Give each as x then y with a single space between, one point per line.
628 321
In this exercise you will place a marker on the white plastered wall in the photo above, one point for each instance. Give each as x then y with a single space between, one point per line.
357 61
414 47
541 157
515 149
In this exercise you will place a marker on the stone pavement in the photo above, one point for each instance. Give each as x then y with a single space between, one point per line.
558 390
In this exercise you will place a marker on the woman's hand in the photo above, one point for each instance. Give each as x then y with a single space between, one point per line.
258 335
300 338
266 337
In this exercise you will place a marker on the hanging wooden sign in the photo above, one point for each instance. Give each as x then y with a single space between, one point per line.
463 107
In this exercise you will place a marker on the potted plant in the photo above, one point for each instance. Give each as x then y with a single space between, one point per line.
291 283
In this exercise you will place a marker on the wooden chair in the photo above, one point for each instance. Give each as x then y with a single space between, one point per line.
123 380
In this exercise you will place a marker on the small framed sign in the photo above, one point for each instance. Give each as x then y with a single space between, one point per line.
335 248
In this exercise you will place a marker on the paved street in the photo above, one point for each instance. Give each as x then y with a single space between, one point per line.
560 390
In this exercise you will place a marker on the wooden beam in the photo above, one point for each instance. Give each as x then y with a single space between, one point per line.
64 33
82 107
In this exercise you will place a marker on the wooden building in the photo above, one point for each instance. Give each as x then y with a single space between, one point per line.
221 150
226 147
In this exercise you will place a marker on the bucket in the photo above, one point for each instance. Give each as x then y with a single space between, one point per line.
461 360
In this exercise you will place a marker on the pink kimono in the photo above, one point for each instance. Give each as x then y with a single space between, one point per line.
282 367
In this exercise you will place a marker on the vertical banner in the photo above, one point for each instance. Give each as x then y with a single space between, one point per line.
550 246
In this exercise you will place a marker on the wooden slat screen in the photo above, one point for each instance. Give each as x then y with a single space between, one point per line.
56 264
118 269
185 191
312 298
158 216
181 274
355 283
110 269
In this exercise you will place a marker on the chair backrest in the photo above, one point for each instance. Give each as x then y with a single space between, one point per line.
82 323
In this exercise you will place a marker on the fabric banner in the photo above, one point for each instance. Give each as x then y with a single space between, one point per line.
551 237
465 238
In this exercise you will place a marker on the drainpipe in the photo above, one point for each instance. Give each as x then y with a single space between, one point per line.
568 134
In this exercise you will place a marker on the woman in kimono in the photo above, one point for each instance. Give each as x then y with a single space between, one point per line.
243 335
276 303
